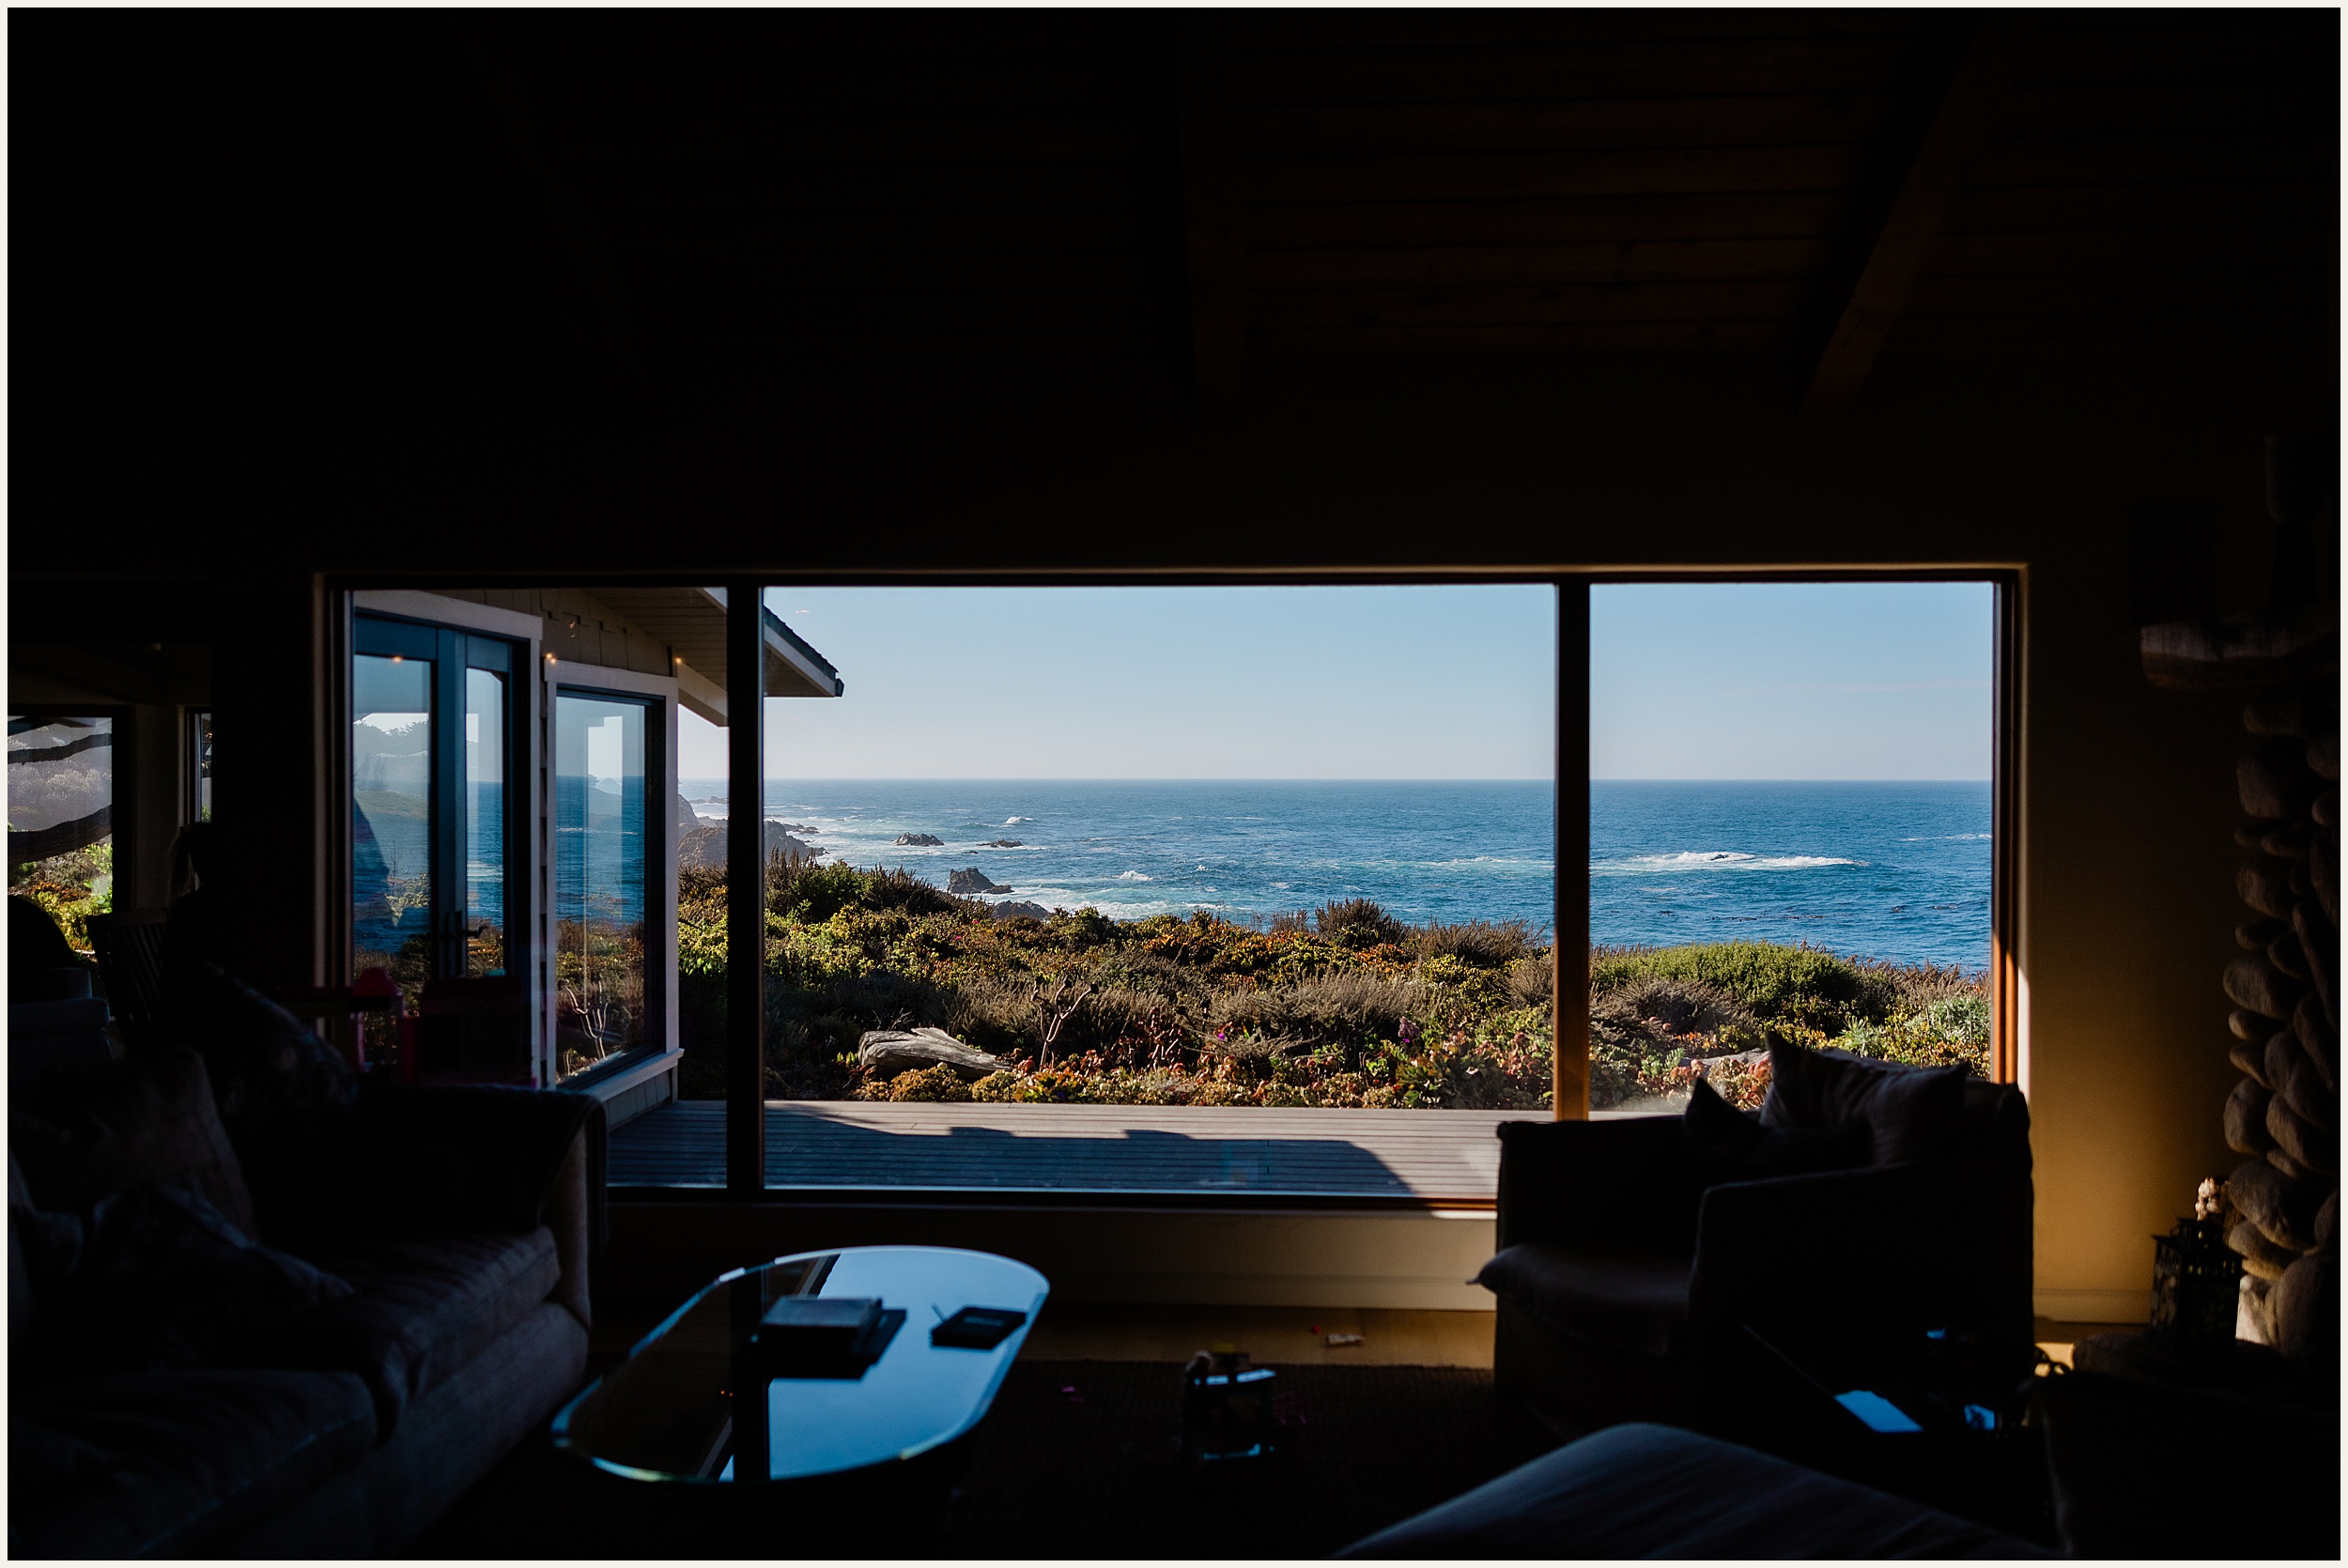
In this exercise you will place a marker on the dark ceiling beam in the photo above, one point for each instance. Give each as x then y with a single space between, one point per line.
1910 221
1218 325
601 321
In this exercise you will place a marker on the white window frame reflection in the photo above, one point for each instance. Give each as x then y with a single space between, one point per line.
658 1049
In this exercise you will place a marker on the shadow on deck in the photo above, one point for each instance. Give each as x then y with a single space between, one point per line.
1427 1155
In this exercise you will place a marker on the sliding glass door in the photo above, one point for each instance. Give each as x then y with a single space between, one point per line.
432 749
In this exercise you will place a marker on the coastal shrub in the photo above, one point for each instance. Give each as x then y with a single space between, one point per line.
1356 922
938 1082
1669 1007
1770 981
1337 1010
1486 944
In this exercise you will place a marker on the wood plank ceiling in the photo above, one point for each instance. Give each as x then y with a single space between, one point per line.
1224 188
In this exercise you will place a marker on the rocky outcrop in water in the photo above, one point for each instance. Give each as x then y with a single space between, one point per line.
920 841
971 881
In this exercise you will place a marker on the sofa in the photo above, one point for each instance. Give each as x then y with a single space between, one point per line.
258 1309
1636 1252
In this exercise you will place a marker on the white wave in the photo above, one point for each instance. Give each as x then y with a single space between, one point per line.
1014 821
1723 860
1943 838
1134 876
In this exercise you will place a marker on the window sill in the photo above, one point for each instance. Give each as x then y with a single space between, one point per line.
607 1080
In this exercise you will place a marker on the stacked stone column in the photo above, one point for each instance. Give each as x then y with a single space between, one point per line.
2284 1112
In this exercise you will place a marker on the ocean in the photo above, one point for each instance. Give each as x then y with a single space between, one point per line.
1887 870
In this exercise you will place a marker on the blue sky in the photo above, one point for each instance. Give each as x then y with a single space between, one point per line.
1790 681
1705 681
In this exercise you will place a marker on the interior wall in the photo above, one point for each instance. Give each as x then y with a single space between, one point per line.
2126 899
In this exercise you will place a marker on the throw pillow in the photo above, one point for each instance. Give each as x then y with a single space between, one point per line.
1724 1143
81 1136
1913 1113
270 1074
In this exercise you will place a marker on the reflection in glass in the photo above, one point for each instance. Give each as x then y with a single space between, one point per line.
599 910
200 762
485 822
61 792
391 818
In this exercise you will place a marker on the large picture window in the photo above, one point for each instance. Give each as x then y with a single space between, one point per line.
604 749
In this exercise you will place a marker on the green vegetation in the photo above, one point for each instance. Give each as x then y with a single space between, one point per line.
1345 1005
1657 1012
72 888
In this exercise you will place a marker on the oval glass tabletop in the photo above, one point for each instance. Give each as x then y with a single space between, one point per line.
863 1356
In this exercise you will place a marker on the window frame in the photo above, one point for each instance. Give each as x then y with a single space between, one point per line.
744 1105
122 719
661 1048
453 650
2008 1046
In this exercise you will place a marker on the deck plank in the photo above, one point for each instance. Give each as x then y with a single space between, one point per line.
818 1144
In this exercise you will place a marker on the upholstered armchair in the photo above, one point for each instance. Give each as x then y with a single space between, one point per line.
1635 1251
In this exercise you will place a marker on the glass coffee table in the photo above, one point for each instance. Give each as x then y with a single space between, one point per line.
868 1363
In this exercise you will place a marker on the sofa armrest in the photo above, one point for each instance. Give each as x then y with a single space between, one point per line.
407 1158
571 1213
1624 1179
1851 1246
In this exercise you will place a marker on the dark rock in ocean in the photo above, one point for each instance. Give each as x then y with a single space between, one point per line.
971 881
1011 909
920 840
1001 844
890 1052
685 815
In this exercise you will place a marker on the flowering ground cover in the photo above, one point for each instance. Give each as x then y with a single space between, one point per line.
1342 1006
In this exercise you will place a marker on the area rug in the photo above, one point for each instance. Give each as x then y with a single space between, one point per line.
1082 1460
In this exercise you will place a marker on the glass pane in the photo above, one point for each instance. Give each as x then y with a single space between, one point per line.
600 907
391 818
200 762
485 822
61 792
1789 832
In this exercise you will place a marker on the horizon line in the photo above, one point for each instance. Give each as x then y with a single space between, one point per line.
1283 778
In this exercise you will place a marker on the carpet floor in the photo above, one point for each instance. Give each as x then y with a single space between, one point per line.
1081 1459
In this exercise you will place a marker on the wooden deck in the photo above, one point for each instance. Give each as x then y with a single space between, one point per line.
1429 1156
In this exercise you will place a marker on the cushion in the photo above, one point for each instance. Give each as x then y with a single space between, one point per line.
1642 1491
268 1071
154 1277
423 1308
1912 1113
1617 1295
1724 1143
174 1464
83 1136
